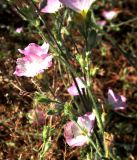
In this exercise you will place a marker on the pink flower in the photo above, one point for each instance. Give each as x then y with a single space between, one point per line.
36 59
109 15
118 102
19 30
78 5
37 117
50 6
101 23
73 89
74 135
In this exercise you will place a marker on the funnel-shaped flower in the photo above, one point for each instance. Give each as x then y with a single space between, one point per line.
78 5
118 102
36 59
50 6
74 135
19 30
73 89
109 15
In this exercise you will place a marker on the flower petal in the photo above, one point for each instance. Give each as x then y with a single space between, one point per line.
52 6
78 5
118 102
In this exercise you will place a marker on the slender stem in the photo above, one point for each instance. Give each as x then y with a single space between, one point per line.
80 94
98 139
125 22
93 144
97 112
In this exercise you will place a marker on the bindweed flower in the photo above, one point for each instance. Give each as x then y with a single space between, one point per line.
80 6
37 117
118 102
50 6
19 30
109 15
73 89
74 135
36 59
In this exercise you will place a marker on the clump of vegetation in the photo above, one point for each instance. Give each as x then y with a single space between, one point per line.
68 80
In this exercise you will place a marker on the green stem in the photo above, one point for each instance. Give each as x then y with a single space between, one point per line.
95 147
97 112
98 138
80 94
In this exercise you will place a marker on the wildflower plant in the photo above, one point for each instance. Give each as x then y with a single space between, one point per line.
85 125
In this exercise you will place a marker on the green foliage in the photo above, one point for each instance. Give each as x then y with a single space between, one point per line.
41 98
72 39
47 133
68 111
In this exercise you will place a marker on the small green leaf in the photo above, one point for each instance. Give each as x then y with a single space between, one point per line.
40 98
51 112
